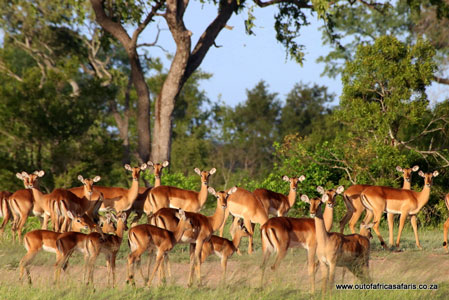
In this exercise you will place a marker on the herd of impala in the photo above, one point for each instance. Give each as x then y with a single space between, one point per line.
173 217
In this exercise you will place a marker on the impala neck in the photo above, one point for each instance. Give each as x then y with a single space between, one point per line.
328 216
120 228
292 197
320 228
216 220
39 198
423 196
202 195
407 184
179 230
157 181
134 190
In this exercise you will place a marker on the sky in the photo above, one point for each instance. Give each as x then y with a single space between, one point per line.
243 60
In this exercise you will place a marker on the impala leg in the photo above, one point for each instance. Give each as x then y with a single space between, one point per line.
192 264
224 264
150 259
390 219
45 222
446 227
22 221
311 267
24 264
368 217
250 229
332 267
355 217
113 258
224 222
6 216
401 226
198 248
159 258
325 275
349 213
377 217
413 221
266 256
132 258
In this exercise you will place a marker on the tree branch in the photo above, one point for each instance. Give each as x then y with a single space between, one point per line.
441 80
298 3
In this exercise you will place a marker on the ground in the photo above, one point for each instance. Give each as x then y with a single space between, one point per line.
290 281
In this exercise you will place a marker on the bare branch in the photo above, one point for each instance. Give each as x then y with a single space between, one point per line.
9 72
147 20
441 80
298 3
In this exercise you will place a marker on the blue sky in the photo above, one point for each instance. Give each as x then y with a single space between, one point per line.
243 60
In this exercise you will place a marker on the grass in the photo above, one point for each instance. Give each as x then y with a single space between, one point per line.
290 281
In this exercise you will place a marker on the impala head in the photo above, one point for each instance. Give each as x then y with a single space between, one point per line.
222 196
293 181
205 174
80 222
331 194
136 170
158 167
428 177
30 180
314 203
106 223
188 225
407 172
89 183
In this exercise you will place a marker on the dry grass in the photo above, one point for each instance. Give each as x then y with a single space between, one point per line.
289 282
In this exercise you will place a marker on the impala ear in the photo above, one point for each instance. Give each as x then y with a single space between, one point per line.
325 198
285 178
182 214
20 176
96 179
399 169
165 163
123 216
80 178
197 171
143 166
415 168
211 190
421 173
435 173
320 189
70 215
128 167
39 173
25 174
232 190
302 178
305 198
212 171
340 189
150 163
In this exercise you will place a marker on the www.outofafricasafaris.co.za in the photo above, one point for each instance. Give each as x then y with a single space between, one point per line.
387 286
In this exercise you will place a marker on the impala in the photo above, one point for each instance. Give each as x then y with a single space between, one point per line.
335 249
280 233
109 245
224 248
278 204
202 228
446 224
148 237
355 207
170 196
378 199
243 204
40 239
119 199
5 212
22 204
139 204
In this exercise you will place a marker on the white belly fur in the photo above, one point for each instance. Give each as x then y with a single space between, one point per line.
49 249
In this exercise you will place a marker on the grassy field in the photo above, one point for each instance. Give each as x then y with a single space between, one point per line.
290 281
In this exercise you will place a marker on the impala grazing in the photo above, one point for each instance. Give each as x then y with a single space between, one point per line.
355 207
335 249
148 237
278 204
378 199
170 196
243 204
280 233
